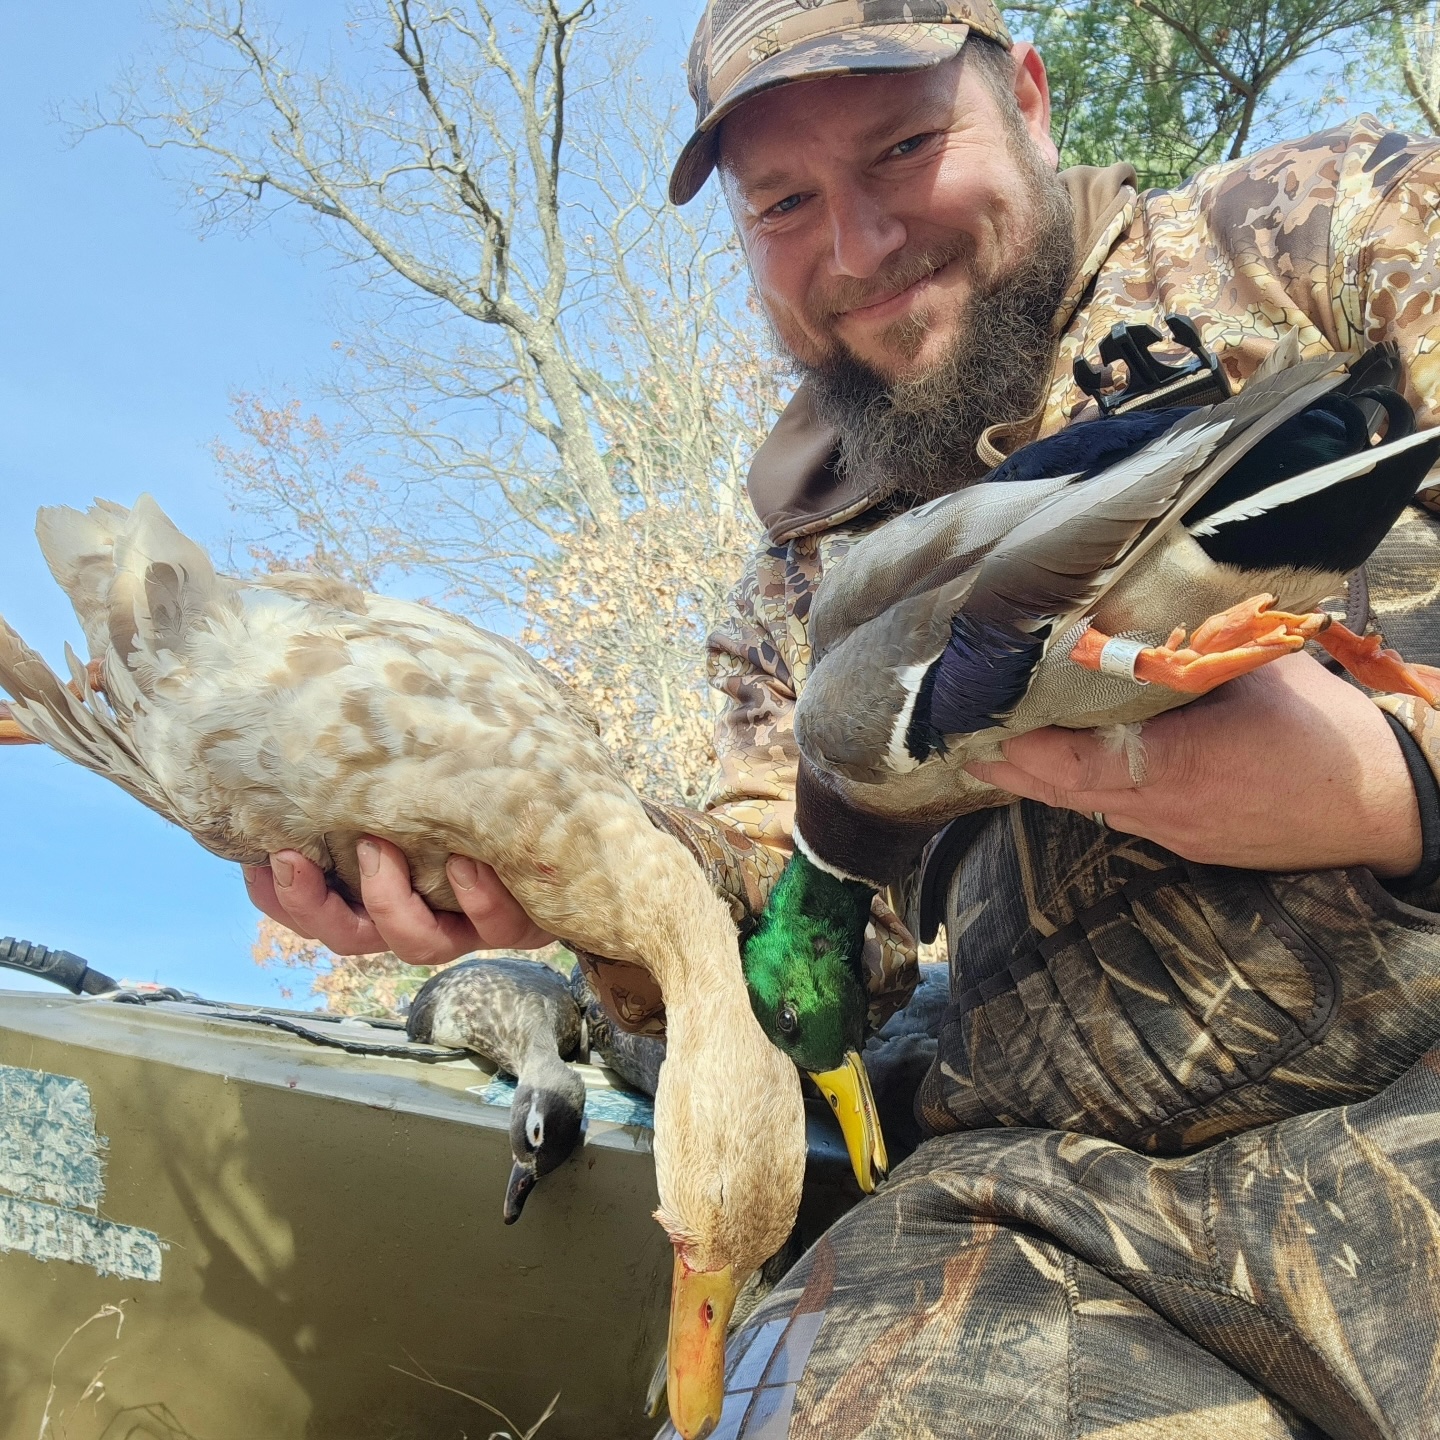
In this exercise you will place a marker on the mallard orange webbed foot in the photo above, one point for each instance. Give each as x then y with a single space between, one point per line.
1368 659
1224 647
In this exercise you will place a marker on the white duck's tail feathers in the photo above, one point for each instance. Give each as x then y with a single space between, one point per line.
1312 482
79 547
81 730
164 585
139 586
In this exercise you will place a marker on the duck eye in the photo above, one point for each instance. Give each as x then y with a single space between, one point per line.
787 1020
821 945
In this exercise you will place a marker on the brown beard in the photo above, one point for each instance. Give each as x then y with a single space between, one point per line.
915 439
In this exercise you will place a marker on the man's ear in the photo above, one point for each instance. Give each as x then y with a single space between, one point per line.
1032 94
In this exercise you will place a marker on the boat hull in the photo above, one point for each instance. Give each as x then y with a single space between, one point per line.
288 1230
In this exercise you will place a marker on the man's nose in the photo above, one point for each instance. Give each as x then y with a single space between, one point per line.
865 233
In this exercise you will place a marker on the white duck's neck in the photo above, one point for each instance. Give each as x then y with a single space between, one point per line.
693 949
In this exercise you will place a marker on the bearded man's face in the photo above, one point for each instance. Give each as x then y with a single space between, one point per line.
910 242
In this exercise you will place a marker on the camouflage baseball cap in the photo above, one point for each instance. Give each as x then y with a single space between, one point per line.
742 47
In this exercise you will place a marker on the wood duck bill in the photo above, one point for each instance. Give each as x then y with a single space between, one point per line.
847 1088
517 1191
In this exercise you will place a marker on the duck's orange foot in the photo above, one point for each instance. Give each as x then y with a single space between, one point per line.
1224 647
10 732
1372 664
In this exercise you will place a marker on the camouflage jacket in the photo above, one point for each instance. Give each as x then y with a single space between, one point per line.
1336 235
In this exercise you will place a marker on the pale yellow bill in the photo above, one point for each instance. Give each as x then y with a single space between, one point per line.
701 1302
847 1088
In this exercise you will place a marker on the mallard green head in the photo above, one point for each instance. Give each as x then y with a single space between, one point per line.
803 970
802 965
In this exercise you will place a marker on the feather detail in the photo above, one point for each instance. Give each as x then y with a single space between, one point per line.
1298 487
164 588
79 548
1285 355
49 711
1254 414
982 674
1059 560
918 552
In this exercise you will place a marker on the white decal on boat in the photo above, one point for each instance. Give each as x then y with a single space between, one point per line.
51 1163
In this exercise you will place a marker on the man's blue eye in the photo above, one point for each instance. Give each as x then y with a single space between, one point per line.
907 147
785 206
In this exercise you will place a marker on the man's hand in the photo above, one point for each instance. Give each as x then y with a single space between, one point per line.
392 916
1290 768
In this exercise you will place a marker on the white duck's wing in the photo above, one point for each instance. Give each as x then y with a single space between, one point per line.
300 713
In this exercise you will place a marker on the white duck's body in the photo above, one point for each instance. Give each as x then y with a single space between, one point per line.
300 712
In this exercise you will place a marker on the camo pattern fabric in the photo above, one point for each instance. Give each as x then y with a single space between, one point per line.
742 47
1280 1285
1100 984
1335 236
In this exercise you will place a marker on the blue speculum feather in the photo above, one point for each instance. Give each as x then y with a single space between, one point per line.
979 677
1087 449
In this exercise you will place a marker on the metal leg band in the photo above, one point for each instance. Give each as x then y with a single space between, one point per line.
1118 657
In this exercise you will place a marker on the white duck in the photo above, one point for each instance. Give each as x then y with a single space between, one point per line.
297 711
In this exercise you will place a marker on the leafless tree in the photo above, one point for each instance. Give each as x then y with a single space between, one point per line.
555 378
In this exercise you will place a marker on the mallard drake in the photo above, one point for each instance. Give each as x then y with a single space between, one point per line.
1060 592
520 1016
298 711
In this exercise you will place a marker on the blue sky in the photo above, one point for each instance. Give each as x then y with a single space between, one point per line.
125 334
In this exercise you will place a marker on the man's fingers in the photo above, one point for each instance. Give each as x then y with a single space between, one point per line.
407 925
1071 760
491 908
312 909
293 891
260 886
1022 783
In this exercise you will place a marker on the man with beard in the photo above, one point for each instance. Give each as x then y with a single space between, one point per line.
1202 966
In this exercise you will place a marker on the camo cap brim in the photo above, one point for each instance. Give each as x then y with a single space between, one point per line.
741 49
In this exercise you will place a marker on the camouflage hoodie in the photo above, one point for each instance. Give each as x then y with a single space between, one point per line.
1337 235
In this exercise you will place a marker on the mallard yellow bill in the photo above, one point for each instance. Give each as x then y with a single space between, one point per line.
847 1088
